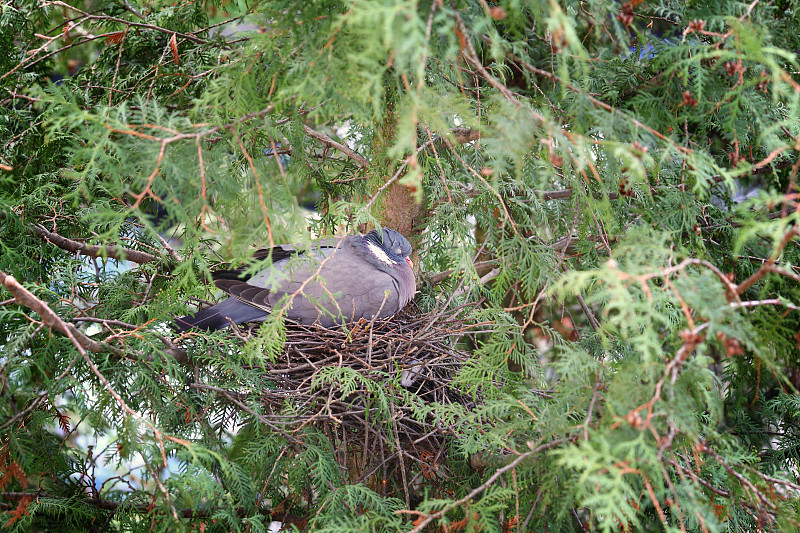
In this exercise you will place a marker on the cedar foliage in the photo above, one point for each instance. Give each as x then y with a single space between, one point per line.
582 169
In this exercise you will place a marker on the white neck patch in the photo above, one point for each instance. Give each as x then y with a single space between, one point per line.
378 252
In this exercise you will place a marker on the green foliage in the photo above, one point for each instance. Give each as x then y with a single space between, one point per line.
613 187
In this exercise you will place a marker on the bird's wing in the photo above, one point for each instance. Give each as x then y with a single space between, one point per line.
289 262
220 316
328 283
276 254
344 286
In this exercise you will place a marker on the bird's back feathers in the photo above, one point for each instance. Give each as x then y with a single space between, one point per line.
334 280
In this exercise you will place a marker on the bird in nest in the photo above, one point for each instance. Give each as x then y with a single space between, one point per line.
333 281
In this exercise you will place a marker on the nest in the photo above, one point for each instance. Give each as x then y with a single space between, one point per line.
363 386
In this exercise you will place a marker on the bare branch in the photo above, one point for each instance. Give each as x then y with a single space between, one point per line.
480 266
76 247
770 301
361 160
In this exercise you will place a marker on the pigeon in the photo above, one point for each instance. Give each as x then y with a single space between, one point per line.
333 281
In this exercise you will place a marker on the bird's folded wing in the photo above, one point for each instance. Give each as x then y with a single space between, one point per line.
246 293
274 254
278 256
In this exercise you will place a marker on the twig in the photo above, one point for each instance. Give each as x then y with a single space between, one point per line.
50 319
772 301
112 251
460 136
359 159
89 16
480 266
110 505
394 178
768 265
488 483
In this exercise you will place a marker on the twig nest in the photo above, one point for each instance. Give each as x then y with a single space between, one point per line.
370 384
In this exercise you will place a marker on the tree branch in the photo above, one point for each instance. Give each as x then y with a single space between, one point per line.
50 319
76 247
109 18
480 266
768 265
460 136
324 139
146 508
489 482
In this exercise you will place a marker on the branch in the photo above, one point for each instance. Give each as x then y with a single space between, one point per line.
24 297
32 58
768 265
480 266
76 247
460 136
488 483
89 16
145 508
324 139
50 319
770 301
761 167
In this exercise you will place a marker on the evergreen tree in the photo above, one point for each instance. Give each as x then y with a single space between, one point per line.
604 205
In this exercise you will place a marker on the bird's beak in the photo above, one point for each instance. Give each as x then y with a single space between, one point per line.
410 263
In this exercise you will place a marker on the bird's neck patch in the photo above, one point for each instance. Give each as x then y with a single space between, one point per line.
378 252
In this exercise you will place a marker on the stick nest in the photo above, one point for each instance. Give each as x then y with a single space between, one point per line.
363 386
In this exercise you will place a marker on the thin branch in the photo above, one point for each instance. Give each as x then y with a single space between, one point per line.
588 312
488 483
109 18
76 247
771 301
460 136
760 167
480 266
130 8
768 265
23 296
359 159
50 319
109 505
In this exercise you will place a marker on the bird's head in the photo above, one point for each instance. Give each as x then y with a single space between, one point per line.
389 246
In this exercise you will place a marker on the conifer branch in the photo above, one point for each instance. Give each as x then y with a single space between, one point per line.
371 411
480 267
24 297
146 508
108 18
460 135
93 250
760 167
32 59
359 159
769 264
420 525
50 319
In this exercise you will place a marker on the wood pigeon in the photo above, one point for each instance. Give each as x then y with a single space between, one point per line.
334 280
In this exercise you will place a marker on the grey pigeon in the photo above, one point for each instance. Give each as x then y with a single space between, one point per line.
333 281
